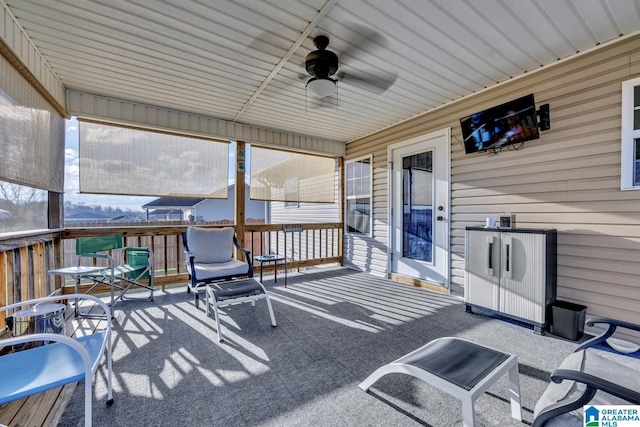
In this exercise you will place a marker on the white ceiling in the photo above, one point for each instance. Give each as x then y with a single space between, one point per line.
242 60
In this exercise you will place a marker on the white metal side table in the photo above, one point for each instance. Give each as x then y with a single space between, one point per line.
77 272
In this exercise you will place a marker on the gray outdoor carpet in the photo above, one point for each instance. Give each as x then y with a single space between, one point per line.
335 327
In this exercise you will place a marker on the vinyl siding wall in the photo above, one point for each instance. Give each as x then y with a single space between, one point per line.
569 179
305 213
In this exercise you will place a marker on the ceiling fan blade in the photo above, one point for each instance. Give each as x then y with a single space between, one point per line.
269 43
365 40
376 81
326 103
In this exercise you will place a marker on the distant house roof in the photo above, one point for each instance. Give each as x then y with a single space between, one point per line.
126 218
86 216
166 211
183 202
173 202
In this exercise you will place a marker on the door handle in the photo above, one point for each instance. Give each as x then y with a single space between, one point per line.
440 218
509 260
490 258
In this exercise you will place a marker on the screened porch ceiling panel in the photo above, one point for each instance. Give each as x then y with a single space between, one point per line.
243 61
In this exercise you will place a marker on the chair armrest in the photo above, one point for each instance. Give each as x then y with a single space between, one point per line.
613 325
59 297
247 252
594 382
37 301
185 246
191 259
63 339
106 344
94 256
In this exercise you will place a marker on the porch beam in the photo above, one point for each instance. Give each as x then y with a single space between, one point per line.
89 106
240 194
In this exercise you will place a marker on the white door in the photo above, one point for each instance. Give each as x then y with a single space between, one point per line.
419 200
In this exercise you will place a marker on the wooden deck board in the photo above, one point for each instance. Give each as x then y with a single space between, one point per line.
46 409
60 405
9 410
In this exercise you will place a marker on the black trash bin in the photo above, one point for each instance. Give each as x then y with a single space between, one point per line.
567 319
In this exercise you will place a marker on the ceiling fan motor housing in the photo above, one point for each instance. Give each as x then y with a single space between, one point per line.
321 63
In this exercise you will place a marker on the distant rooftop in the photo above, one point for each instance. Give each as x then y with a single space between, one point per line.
86 216
173 202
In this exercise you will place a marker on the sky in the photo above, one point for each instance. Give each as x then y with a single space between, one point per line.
72 183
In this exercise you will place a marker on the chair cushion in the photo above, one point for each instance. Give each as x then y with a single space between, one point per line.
234 289
594 362
231 268
211 245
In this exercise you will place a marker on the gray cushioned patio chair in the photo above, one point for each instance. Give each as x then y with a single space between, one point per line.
589 377
210 257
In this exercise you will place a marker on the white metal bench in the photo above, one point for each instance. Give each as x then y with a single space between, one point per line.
460 368
65 360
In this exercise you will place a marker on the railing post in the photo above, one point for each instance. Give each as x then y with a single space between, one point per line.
239 195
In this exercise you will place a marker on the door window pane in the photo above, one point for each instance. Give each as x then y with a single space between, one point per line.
417 184
636 126
636 164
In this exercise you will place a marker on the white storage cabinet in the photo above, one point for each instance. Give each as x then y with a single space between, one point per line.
511 272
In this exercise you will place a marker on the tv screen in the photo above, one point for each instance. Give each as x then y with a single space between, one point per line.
510 123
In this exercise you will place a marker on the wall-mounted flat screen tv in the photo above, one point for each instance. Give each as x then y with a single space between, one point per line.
513 122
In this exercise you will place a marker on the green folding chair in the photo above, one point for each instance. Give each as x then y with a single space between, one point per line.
136 265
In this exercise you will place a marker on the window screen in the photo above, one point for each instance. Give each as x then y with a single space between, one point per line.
630 147
32 134
119 160
358 196
291 177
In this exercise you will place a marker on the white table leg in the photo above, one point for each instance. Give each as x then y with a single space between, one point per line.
468 413
217 316
514 391
206 299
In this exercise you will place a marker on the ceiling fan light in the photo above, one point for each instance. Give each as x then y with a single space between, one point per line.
321 88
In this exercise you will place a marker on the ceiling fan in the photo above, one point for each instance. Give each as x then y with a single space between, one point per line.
322 65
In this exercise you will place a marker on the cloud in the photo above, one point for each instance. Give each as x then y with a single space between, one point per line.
70 156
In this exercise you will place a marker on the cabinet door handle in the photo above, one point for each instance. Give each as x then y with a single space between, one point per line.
490 258
509 260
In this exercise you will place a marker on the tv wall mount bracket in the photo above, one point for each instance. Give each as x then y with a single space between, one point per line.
545 119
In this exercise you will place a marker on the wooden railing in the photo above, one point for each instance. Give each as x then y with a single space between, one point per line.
25 260
304 245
